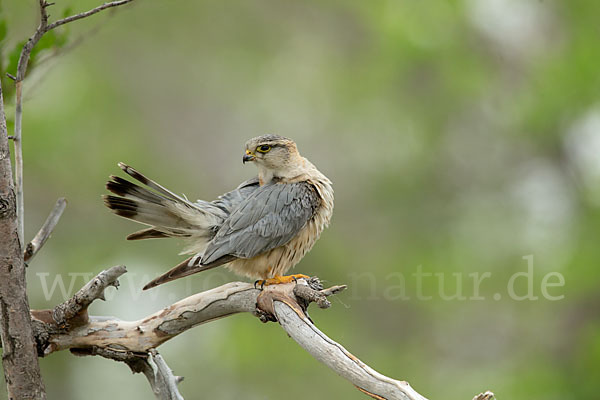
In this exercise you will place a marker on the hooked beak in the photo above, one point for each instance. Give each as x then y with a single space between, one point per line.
248 157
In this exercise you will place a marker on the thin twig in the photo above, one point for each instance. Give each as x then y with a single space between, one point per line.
21 72
46 230
17 140
69 47
33 40
87 13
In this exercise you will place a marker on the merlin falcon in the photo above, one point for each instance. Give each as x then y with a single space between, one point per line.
259 230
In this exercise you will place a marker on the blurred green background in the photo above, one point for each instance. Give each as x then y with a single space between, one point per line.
461 136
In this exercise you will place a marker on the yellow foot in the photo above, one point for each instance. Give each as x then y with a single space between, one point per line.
278 279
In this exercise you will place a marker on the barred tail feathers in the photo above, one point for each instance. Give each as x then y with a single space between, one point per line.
166 213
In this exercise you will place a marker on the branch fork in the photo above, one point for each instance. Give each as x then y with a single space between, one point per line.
296 295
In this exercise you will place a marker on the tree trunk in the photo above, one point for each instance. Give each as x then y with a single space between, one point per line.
19 353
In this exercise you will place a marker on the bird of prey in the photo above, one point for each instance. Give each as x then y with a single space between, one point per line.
260 229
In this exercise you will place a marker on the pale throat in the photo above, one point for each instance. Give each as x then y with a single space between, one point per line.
266 175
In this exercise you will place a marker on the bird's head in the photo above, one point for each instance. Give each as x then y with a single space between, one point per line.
274 155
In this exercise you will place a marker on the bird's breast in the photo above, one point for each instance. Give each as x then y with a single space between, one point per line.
279 260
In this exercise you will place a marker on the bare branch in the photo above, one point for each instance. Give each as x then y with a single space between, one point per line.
152 365
17 140
87 13
155 329
46 230
161 378
18 145
291 316
76 307
340 360
285 303
21 72
30 44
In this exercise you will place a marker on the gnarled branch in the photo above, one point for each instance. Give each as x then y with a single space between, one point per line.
134 342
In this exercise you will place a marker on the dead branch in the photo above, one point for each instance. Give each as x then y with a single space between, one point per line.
69 327
45 231
76 307
152 365
292 317
160 376
340 360
72 314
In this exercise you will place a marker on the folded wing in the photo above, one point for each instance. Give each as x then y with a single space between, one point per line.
270 217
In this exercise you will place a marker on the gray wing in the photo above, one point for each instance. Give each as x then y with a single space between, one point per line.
269 217
230 200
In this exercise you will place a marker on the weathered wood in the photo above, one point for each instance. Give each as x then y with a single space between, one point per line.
161 378
340 360
284 303
76 307
46 230
152 365
155 329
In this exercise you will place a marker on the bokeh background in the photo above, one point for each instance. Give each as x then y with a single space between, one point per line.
461 136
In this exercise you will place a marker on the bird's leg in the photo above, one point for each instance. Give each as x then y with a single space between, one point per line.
278 279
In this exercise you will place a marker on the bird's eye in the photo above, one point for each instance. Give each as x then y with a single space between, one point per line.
263 149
